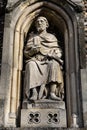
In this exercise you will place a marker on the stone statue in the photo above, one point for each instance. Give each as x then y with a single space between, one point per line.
43 70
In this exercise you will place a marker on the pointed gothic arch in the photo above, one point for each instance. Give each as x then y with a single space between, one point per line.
25 14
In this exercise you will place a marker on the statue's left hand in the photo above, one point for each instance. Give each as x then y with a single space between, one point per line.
50 54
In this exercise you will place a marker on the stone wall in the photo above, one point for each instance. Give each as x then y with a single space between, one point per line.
41 128
2 13
2 16
85 25
84 71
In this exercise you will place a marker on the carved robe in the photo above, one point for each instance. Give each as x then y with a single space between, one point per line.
39 68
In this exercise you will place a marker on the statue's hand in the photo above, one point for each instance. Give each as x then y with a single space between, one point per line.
49 56
36 49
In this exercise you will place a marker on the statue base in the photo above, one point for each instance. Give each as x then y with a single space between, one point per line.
43 103
43 113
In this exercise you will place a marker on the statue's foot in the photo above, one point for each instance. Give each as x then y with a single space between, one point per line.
33 98
54 97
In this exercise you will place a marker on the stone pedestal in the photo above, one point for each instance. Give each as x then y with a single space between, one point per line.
44 113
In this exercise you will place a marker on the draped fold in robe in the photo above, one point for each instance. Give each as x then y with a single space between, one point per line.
40 70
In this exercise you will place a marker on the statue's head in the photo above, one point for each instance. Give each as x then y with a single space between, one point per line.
41 23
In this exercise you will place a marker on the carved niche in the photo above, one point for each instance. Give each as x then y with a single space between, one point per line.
43 78
63 34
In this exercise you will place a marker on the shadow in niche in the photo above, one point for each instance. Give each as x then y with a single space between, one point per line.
55 30
18 119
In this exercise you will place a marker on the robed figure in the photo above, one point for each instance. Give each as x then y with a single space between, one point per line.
43 70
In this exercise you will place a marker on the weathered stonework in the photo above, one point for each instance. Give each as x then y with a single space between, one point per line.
16 28
85 26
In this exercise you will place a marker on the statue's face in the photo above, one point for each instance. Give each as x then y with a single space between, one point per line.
41 24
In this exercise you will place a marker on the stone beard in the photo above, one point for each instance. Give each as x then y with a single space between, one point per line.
43 70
